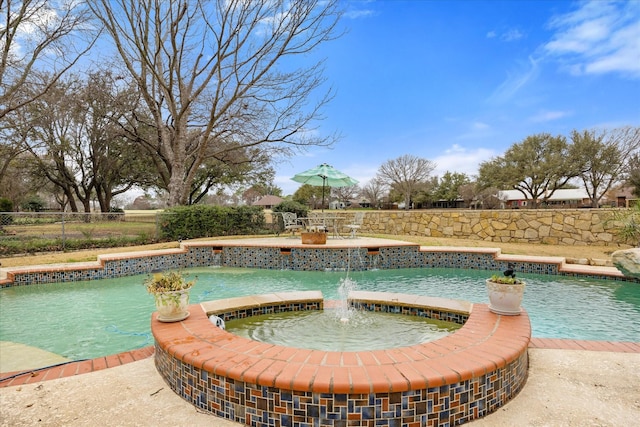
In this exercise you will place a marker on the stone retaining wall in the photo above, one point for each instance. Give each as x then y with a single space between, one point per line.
550 226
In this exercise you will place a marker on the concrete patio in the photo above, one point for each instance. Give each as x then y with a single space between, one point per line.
565 388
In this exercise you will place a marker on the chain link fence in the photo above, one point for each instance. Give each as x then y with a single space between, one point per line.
26 232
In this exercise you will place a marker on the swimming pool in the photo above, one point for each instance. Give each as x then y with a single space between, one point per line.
94 318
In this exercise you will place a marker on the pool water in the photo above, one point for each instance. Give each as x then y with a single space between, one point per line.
330 330
95 318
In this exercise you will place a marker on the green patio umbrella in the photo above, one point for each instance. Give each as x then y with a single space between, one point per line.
325 176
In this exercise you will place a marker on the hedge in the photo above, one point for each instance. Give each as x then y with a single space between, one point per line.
190 222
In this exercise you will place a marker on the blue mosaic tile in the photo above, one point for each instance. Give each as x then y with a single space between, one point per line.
311 259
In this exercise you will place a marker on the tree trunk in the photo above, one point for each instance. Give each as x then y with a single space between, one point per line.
179 185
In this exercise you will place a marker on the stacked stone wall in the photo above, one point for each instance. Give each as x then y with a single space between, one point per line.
552 226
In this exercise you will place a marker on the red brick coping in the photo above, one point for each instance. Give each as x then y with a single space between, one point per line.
70 369
455 379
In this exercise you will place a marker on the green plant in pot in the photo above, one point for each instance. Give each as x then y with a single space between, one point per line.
505 292
171 293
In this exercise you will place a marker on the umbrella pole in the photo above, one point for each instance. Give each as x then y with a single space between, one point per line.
322 206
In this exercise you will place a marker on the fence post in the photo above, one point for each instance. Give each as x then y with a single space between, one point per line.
63 236
157 225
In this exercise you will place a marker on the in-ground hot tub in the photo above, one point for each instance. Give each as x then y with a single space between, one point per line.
455 379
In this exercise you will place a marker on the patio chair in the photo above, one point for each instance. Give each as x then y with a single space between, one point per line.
355 225
291 222
316 222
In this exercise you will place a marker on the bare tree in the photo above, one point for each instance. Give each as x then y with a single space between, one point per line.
38 35
105 105
50 124
632 174
219 76
469 193
344 194
76 141
11 147
406 174
35 35
489 198
603 158
374 191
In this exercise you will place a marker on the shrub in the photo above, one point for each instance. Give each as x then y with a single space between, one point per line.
115 214
299 209
628 221
290 206
22 245
190 222
5 206
33 204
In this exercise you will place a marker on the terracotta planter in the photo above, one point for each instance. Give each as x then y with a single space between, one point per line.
172 306
505 299
314 238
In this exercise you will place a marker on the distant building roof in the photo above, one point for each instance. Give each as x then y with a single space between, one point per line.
268 200
563 194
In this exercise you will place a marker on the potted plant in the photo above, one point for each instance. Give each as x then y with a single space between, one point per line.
505 292
171 293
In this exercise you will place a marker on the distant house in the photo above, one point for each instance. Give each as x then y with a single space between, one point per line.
336 204
268 201
564 198
350 204
622 197
359 203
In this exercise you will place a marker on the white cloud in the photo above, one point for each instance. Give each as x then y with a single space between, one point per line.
355 14
474 130
480 126
599 37
515 81
37 23
511 35
506 36
547 116
459 159
357 10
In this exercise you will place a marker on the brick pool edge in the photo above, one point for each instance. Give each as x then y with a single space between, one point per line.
450 381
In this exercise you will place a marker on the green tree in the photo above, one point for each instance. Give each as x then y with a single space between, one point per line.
235 168
267 188
311 195
603 157
426 191
537 167
33 204
448 187
5 219
490 174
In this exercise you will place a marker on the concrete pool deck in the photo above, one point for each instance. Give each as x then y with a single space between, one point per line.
566 387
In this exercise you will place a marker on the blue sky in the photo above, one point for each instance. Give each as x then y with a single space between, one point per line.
459 82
